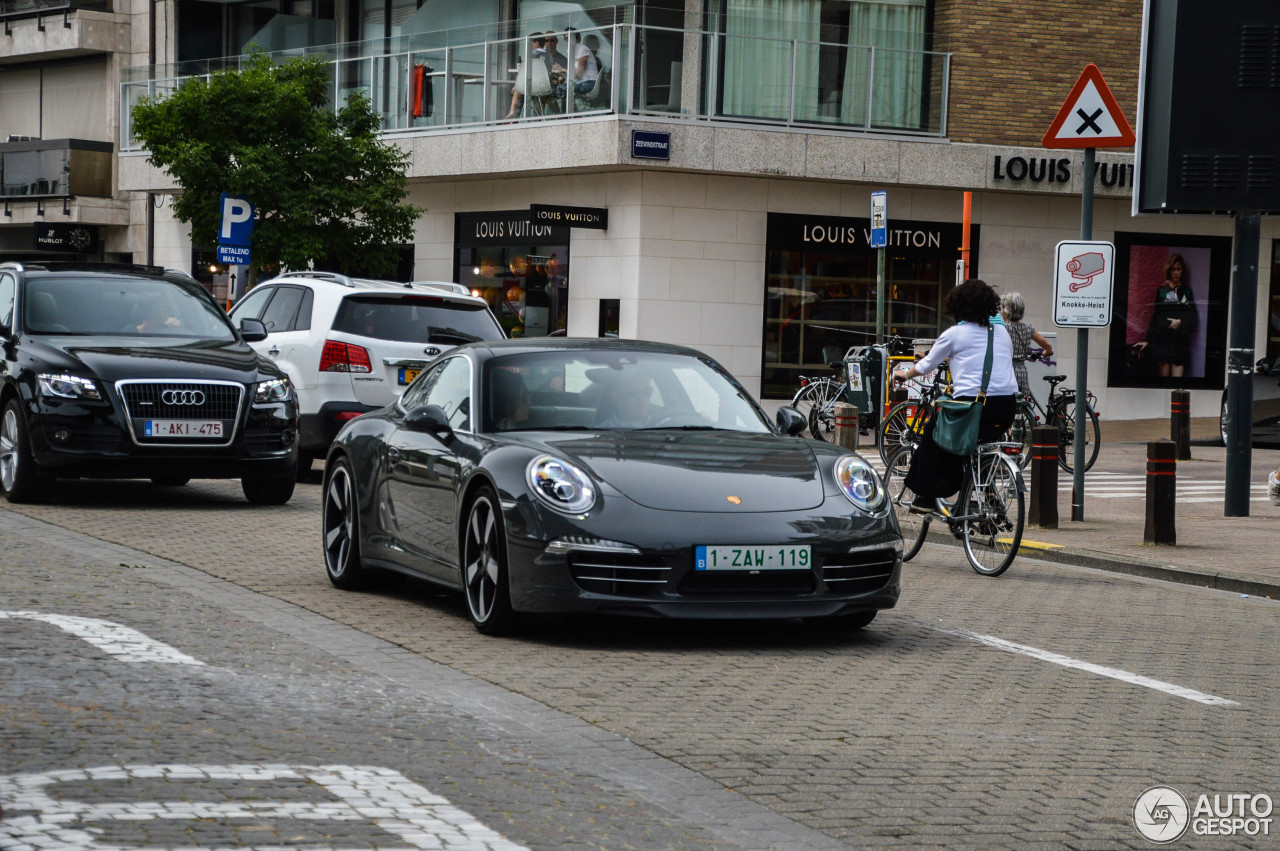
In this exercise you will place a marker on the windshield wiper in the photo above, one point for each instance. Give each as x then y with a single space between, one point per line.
685 428
447 335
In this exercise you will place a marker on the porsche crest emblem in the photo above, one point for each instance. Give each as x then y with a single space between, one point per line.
736 500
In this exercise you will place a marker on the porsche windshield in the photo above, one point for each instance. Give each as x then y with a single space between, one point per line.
121 306
614 390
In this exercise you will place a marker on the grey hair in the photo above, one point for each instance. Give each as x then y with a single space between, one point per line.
1013 306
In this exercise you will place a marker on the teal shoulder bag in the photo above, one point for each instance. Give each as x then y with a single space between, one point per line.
956 423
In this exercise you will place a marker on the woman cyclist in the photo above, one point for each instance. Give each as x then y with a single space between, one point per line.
936 474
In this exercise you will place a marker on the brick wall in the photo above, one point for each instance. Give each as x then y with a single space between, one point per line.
1014 63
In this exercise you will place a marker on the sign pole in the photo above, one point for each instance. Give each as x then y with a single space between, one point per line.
879 239
1082 351
1244 289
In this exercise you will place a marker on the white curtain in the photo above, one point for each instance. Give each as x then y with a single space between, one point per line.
758 57
74 102
20 103
896 32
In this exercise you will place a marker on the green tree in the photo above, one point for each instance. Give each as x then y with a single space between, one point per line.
328 192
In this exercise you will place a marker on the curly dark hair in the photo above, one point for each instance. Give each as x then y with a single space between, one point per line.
973 301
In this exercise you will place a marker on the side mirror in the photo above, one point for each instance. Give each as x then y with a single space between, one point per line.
252 330
790 421
431 419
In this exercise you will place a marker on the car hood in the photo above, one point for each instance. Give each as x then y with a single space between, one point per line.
701 470
125 358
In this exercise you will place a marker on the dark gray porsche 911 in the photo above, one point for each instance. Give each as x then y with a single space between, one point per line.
613 476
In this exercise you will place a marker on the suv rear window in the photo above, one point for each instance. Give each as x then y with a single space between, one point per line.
416 319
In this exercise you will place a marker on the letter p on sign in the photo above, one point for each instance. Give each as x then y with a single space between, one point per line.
237 221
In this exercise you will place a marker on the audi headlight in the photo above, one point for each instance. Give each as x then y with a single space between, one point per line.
275 390
859 483
68 387
561 485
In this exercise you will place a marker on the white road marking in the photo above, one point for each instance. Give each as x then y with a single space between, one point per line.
125 643
415 816
1101 670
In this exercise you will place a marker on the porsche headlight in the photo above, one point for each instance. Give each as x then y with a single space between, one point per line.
561 485
275 390
68 387
859 483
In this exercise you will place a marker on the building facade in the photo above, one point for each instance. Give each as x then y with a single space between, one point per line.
733 144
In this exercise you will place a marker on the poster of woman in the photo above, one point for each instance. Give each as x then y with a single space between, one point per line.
1171 301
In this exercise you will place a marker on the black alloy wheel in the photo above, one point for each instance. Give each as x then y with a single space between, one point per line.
484 566
19 478
340 530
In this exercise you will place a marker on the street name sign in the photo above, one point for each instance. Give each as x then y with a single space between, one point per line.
1083 280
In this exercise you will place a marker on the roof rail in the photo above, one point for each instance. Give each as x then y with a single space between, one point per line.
449 286
325 276
93 266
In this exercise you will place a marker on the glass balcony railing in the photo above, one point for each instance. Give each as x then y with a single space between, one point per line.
422 83
55 168
18 9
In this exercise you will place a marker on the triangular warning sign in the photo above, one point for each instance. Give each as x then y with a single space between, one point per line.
1090 118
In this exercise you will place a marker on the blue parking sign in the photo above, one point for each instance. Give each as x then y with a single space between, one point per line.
237 221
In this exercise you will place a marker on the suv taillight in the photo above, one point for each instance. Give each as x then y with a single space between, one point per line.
344 357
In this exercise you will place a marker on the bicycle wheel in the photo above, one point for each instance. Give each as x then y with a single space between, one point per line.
822 418
915 527
992 511
1064 417
1020 432
815 396
902 426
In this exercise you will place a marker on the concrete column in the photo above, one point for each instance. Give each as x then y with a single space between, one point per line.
691 82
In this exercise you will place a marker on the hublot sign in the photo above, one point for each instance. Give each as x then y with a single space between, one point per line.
1058 170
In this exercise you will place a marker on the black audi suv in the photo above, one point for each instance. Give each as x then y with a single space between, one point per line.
126 372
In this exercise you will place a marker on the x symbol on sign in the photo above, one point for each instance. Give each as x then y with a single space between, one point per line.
1088 121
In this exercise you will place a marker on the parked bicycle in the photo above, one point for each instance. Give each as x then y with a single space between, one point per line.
988 515
1058 411
818 395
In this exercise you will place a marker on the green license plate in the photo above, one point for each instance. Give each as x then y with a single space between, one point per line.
789 557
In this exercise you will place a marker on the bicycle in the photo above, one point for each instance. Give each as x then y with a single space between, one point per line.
988 516
1059 411
818 394
817 397
905 421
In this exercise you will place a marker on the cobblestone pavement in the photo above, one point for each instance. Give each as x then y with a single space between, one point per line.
912 734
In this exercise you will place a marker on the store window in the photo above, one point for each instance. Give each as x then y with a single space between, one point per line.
820 290
520 268
1273 304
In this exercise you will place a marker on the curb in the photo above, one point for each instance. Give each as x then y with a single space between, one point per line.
1116 564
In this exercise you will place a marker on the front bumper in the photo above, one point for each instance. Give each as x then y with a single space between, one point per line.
72 439
857 563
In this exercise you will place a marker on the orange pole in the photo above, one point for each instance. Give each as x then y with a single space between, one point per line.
964 240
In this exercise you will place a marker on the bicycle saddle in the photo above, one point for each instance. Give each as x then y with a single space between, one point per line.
1055 379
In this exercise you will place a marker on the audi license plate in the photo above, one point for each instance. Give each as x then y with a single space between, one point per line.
752 558
183 428
407 375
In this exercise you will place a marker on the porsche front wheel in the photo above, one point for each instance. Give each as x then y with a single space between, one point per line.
340 525
484 566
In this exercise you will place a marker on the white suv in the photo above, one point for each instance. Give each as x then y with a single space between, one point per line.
352 345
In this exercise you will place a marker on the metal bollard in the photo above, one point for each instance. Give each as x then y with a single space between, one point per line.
1162 492
846 426
1180 422
1044 478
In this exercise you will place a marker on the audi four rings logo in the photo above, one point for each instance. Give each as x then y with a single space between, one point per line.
182 397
